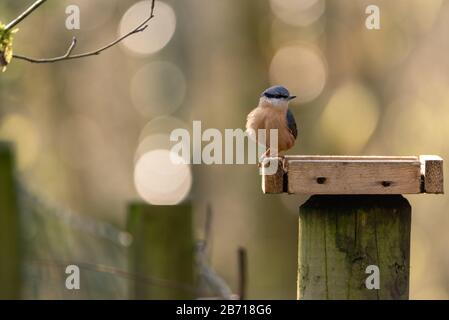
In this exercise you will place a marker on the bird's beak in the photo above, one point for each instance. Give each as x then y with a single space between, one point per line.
291 98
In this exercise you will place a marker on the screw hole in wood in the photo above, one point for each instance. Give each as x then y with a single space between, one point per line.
386 183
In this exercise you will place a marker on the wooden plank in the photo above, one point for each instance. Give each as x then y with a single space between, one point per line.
357 158
306 174
10 257
354 176
272 170
340 236
432 172
162 252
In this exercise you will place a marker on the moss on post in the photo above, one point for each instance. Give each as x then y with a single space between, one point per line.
162 252
340 236
10 277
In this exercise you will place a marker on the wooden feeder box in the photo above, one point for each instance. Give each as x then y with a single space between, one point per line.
356 220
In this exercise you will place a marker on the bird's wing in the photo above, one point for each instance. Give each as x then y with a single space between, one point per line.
291 122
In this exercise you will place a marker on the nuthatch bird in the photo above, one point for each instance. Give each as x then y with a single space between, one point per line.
273 113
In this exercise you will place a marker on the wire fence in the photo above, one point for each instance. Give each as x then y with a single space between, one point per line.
53 237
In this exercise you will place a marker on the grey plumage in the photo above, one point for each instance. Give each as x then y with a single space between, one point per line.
276 92
291 122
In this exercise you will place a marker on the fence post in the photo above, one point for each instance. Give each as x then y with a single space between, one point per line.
10 267
340 236
162 251
355 229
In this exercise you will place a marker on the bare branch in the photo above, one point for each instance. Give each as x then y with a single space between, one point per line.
69 56
25 14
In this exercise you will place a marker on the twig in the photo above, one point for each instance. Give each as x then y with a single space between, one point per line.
207 226
208 277
242 266
204 243
25 14
68 56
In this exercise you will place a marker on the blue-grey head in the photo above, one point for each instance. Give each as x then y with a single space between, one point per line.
277 94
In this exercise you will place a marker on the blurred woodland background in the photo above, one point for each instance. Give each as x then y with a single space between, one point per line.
85 130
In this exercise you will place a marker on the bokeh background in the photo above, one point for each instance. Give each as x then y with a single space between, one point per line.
89 133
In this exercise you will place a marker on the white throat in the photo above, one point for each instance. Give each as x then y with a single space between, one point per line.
280 104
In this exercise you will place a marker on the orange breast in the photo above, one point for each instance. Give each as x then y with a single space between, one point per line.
267 118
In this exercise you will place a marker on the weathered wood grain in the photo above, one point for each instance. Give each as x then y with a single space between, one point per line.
272 170
10 257
162 252
355 175
432 172
339 236
356 158
344 176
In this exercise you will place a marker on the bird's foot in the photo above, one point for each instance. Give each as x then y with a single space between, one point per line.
263 157
263 160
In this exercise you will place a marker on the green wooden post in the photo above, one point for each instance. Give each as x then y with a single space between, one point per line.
162 251
340 236
10 278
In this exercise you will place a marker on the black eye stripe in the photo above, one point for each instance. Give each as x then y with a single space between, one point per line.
275 96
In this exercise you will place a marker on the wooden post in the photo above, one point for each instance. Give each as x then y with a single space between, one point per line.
162 251
340 236
356 226
10 267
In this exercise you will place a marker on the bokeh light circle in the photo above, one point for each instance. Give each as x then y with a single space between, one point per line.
159 180
296 12
301 69
156 37
162 125
350 117
156 135
157 89
150 143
